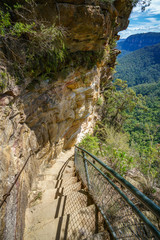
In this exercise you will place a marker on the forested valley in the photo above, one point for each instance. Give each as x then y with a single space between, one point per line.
128 138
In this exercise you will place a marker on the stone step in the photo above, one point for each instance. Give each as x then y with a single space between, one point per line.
66 182
73 187
68 171
37 197
51 184
78 225
51 194
57 171
44 185
58 207
51 177
58 168
59 162
67 176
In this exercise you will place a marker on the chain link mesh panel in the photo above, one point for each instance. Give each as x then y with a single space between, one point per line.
124 221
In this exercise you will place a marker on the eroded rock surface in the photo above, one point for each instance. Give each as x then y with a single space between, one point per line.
38 123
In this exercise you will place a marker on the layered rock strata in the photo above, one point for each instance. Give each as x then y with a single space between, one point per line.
37 124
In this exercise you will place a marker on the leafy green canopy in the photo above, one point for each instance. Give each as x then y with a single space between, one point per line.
144 126
141 66
126 138
119 102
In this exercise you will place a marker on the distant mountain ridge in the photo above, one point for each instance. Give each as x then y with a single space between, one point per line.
138 41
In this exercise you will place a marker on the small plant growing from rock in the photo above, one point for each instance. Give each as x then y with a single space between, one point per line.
3 80
100 101
37 197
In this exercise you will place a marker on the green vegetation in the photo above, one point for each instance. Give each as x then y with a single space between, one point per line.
127 137
43 54
144 129
144 126
36 198
120 101
3 80
100 101
44 69
111 146
141 66
109 141
42 46
9 28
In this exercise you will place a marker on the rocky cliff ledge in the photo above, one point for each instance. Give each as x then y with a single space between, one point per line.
38 122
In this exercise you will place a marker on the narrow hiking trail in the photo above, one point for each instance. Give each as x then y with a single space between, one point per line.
59 206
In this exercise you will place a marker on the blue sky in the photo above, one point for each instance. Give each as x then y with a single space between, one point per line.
141 22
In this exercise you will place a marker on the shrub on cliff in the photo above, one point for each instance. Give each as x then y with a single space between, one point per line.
112 147
29 42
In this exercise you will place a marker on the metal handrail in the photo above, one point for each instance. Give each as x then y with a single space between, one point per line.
144 199
6 195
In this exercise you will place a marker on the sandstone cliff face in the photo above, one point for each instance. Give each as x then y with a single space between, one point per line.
38 124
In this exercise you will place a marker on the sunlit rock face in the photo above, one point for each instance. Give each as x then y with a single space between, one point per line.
38 123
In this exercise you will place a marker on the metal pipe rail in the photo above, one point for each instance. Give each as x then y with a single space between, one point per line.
17 176
95 174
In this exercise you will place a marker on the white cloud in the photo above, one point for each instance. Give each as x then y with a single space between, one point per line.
154 8
142 22
141 28
135 15
153 20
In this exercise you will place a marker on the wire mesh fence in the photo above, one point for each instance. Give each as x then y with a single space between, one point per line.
79 217
124 213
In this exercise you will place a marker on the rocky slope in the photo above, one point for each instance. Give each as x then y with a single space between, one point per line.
37 123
